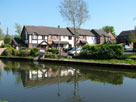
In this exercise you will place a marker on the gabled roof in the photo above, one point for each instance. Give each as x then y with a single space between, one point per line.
17 42
81 32
123 36
43 30
126 33
100 32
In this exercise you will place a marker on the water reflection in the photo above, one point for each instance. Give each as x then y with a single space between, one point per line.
35 74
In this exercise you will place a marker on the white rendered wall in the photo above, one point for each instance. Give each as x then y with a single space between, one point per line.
91 40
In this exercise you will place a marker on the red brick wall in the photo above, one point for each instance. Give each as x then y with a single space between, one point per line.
53 38
30 46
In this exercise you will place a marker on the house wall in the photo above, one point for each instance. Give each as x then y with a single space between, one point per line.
66 38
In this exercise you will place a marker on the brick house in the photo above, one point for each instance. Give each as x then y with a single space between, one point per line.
101 36
44 37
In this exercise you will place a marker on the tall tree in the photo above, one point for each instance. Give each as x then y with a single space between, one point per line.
1 33
18 28
109 29
7 31
75 12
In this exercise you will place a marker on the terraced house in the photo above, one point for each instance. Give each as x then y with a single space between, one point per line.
45 37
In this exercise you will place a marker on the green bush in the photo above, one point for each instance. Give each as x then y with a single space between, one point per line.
23 48
6 46
50 55
103 51
7 52
15 52
24 53
34 52
7 39
53 50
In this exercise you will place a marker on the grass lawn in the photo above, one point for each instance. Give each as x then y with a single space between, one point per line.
127 56
125 61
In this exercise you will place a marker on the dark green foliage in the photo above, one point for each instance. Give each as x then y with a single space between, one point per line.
7 52
50 55
23 48
24 53
53 50
5 46
34 52
109 29
131 38
104 51
15 52
134 46
7 39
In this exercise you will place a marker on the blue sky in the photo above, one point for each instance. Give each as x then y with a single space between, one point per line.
117 13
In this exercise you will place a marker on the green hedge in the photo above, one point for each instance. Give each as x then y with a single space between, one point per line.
24 53
102 51
34 52
7 52
53 50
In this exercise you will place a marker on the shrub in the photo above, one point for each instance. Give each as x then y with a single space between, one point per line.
53 50
23 48
15 52
24 53
34 52
103 51
7 39
7 52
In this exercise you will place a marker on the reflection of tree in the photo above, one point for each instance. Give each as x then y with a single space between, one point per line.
76 96
58 82
18 78
103 76
0 74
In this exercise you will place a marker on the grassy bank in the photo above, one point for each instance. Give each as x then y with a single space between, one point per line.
113 61
128 59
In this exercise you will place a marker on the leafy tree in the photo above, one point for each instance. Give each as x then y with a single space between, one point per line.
7 39
109 29
76 13
1 33
18 29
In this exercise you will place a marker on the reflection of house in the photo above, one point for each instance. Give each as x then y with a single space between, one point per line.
34 78
1 65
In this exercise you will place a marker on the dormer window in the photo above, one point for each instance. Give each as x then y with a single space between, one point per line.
35 36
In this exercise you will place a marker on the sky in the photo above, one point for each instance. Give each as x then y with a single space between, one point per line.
118 13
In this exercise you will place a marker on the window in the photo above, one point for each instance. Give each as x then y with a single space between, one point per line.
35 36
70 38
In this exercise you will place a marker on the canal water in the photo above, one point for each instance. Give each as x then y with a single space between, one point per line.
53 82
